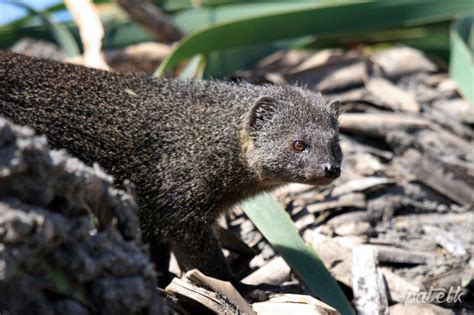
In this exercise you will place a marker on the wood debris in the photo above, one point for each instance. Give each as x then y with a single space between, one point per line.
402 210
284 304
367 282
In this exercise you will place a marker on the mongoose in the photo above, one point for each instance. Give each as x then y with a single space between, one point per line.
191 148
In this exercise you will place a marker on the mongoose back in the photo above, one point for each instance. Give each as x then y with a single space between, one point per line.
191 148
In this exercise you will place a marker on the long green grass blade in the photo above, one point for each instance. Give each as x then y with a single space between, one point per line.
339 18
61 34
195 68
277 227
24 20
461 66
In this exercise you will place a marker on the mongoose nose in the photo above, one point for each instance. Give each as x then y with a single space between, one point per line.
331 171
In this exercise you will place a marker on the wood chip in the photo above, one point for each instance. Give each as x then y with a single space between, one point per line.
285 304
398 287
436 175
446 240
379 124
401 61
368 284
336 258
392 96
359 185
223 288
274 272
419 309
354 228
182 288
351 75
388 254
355 200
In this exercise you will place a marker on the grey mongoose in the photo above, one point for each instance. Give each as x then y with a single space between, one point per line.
192 149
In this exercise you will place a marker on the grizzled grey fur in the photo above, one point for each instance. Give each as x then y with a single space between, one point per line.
191 148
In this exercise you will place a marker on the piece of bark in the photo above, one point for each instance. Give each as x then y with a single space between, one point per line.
447 121
282 61
304 220
232 242
367 282
142 57
153 19
457 108
388 254
433 142
91 30
222 287
317 59
446 240
292 189
354 228
338 74
350 217
183 291
392 96
360 164
355 200
419 309
217 295
274 272
398 288
378 125
434 174
352 75
38 48
401 61
457 277
337 258
284 304
360 185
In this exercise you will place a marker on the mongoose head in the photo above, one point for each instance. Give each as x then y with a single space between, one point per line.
291 134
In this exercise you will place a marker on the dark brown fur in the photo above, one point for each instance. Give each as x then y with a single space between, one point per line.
191 148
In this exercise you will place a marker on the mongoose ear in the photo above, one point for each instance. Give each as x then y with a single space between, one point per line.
336 106
261 111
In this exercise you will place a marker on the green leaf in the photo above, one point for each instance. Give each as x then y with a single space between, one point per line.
195 68
24 20
182 5
432 39
61 34
339 18
277 227
461 65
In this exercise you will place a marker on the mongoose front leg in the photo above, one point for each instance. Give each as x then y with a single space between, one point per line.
199 248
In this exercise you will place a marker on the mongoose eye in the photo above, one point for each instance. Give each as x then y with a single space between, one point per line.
299 146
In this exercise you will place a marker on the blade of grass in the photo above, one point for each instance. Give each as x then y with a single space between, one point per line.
275 224
461 65
314 19
24 20
195 68
61 34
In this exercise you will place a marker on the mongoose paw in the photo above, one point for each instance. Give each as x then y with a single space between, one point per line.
260 292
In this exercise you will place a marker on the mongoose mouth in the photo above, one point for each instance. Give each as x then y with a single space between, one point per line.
322 181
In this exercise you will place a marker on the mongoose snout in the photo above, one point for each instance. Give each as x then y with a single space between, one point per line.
331 171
